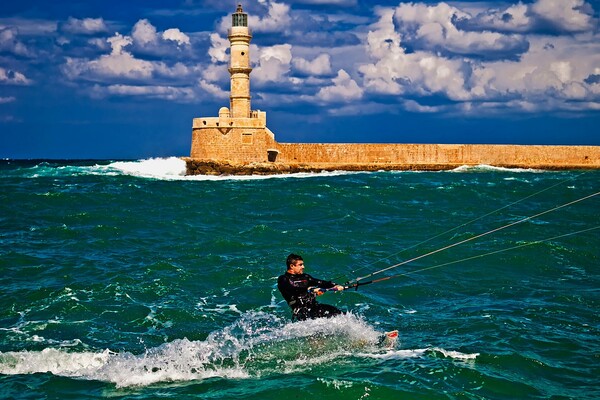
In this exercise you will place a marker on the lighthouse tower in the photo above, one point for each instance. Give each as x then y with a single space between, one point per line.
239 66
239 134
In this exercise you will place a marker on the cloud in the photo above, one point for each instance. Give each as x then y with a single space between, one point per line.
344 89
426 55
412 105
122 63
85 26
212 89
346 3
397 72
10 77
566 15
515 18
461 57
215 73
157 92
119 63
560 71
273 64
10 44
144 33
434 28
277 18
321 65
4 100
218 48
175 35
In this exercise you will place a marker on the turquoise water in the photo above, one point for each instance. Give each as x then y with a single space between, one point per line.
127 280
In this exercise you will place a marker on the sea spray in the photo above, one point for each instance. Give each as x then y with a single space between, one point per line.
257 344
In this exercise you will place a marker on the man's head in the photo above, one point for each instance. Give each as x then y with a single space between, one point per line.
295 264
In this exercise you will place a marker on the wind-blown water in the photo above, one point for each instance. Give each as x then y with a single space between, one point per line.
129 280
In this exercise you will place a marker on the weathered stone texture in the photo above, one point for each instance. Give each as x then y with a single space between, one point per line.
463 154
232 139
304 157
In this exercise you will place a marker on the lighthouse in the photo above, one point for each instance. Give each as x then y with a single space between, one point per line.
239 134
239 66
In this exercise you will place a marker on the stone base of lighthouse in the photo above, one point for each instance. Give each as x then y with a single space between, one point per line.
235 140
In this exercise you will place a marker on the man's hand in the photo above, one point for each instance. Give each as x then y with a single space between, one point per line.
317 291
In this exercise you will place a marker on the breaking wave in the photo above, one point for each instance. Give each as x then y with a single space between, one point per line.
255 345
172 168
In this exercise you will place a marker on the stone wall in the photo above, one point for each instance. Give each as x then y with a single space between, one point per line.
451 155
235 143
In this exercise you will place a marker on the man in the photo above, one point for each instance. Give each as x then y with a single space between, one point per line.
294 285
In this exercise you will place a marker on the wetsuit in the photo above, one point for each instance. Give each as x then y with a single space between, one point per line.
294 288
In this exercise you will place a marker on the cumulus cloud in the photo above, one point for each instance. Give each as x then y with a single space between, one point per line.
85 26
434 28
122 63
10 77
144 33
565 16
559 71
426 53
515 18
344 88
321 65
215 73
273 64
276 20
131 67
460 56
10 43
218 48
119 63
175 35
213 89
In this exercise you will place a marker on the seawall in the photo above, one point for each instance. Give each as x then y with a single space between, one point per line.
312 157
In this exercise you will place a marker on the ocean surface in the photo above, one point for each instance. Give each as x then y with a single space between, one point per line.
128 280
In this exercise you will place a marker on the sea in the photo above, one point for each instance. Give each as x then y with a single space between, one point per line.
130 280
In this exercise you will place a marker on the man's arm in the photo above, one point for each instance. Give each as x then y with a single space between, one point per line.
325 284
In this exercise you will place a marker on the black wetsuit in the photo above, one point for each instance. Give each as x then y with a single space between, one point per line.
294 289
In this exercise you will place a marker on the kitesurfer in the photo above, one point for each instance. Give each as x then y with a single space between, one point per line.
294 287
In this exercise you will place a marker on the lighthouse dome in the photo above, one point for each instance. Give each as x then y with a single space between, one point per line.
223 112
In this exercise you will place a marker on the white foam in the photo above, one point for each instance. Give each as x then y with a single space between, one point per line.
396 354
159 168
485 167
257 343
174 168
456 354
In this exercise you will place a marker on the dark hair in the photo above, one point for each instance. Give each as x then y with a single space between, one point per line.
291 259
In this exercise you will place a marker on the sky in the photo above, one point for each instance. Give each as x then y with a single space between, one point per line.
124 79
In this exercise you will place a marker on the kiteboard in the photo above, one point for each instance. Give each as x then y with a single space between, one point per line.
389 339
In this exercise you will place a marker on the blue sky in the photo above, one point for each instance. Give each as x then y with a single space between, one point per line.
123 79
